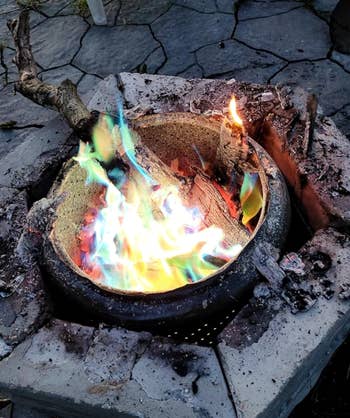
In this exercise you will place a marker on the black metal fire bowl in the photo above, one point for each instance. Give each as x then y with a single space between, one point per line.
207 301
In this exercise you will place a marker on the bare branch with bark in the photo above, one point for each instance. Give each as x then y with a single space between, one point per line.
63 98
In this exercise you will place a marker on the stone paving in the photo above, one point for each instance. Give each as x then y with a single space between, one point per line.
265 41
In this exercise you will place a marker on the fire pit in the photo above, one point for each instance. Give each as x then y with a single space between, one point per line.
119 371
202 157
60 357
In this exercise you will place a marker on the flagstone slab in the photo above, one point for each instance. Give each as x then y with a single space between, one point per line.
87 86
238 61
342 59
15 107
342 120
252 9
25 165
226 6
57 75
206 6
327 80
270 372
77 370
155 61
182 31
52 7
61 36
300 35
108 44
140 12
193 71
325 6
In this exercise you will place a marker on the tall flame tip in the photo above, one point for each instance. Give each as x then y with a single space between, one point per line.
233 112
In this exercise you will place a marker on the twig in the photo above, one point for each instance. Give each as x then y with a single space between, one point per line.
63 98
311 112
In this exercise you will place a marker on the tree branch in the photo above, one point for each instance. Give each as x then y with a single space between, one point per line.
63 98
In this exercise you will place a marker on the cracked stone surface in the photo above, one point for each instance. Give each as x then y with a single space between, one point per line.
139 12
53 7
342 59
255 9
186 372
326 79
250 65
193 30
226 6
57 75
324 5
24 165
300 35
109 44
155 60
5 36
206 6
260 370
185 38
87 86
342 120
10 72
193 71
4 349
324 8
54 35
13 106
77 368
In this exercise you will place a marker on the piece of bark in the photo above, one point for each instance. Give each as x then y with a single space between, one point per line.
233 147
265 260
311 113
63 98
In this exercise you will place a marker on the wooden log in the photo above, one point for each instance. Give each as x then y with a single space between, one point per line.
209 201
233 148
63 98
198 191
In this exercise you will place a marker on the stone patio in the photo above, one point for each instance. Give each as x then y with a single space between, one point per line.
262 42
204 38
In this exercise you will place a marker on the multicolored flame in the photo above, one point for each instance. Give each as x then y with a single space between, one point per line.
251 198
140 236
143 238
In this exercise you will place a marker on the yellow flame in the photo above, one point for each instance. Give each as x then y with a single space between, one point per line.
233 112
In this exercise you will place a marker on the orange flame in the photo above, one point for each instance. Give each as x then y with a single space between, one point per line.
233 112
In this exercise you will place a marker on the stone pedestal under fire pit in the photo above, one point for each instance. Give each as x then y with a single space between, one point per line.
267 358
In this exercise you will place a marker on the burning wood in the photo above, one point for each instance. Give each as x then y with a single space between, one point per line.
216 211
185 219
233 146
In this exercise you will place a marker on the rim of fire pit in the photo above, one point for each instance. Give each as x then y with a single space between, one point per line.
217 291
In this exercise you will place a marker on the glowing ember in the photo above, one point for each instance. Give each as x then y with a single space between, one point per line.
141 236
